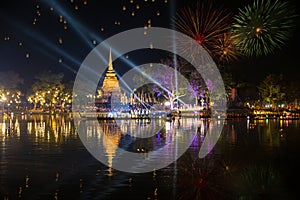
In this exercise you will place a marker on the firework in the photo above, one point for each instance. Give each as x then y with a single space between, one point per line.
224 49
204 23
262 27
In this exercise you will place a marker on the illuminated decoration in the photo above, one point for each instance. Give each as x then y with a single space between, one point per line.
37 14
134 8
6 38
60 40
9 99
167 103
110 85
263 26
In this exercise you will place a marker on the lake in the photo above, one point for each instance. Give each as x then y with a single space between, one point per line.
43 157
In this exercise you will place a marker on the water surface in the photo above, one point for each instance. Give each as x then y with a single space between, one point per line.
42 157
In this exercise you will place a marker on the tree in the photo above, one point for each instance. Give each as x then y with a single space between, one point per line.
233 87
164 80
10 93
68 93
47 90
293 94
198 87
271 90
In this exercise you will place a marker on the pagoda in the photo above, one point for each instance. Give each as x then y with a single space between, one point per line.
110 86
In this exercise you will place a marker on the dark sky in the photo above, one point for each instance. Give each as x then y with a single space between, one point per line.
29 48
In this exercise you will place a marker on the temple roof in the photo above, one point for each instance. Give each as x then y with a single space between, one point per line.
111 83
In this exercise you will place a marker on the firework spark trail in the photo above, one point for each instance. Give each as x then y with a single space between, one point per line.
205 23
225 50
263 26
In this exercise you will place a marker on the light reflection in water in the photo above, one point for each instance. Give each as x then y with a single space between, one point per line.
46 128
56 129
139 136
23 164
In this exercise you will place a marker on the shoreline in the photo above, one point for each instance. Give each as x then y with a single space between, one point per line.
231 114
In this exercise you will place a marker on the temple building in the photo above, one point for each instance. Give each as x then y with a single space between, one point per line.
110 90
111 83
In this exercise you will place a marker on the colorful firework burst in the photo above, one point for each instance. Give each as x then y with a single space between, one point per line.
264 26
204 23
224 49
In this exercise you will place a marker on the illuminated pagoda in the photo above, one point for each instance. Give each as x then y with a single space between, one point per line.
110 90
111 83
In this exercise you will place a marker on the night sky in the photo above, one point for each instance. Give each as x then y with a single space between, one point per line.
58 35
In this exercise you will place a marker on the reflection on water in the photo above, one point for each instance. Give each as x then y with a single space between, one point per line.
122 140
44 128
42 157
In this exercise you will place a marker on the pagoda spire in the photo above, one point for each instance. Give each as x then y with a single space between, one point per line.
110 65
110 71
